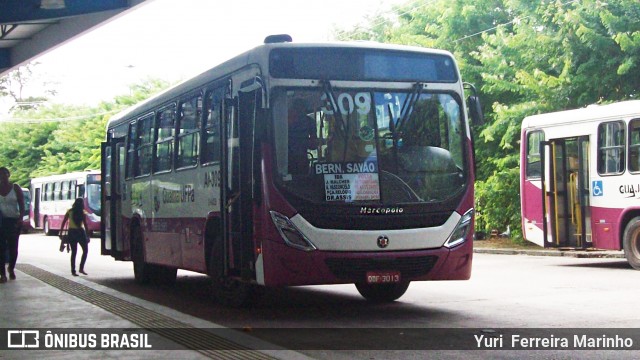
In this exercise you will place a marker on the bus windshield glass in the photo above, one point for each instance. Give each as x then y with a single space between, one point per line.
369 147
93 197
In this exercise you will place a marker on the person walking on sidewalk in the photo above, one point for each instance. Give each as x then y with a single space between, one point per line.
77 234
11 210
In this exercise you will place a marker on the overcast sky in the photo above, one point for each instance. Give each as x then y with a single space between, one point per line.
174 40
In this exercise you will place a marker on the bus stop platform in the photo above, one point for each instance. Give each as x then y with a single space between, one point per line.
575 253
48 315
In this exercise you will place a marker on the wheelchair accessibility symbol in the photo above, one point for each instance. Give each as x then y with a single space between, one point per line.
596 187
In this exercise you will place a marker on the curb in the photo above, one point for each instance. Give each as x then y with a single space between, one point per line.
567 253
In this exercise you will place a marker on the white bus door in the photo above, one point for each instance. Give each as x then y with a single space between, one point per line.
565 184
112 181
237 184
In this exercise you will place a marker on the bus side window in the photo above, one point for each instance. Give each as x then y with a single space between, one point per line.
634 145
64 192
611 143
56 191
211 128
131 150
72 189
144 146
188 143
534 169
164 145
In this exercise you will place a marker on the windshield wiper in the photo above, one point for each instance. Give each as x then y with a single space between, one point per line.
409 103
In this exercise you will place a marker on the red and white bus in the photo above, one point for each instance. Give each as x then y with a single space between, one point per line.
580 178
53 195
200 177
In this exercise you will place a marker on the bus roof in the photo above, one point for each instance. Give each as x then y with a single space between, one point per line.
249 57
71 175
619 110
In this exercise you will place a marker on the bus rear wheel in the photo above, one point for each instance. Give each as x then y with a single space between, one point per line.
47 228
142 271
382 293
631 243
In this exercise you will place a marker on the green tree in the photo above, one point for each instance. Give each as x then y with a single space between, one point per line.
527 58
16 82
21 148
56 139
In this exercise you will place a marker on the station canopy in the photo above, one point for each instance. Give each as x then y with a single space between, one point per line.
30 28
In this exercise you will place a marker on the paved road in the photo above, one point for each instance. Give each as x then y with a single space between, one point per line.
516 292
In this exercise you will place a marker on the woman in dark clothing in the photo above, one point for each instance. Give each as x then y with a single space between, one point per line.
12 209
77 234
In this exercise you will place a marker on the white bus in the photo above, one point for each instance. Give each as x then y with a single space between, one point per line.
200 177
580 178
53 195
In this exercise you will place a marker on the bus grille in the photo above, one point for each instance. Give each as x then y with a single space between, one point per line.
356 268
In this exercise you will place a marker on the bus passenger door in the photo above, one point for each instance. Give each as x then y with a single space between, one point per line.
566 192
35 217
112 181
238 157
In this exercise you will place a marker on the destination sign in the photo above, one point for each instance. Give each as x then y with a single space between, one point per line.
350 181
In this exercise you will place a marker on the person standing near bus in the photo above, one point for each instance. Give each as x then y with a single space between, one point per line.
12 209
302 137
78 230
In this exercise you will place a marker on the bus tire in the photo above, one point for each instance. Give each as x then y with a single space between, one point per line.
631 242
142 271
163 275
226 290
382 293
47 228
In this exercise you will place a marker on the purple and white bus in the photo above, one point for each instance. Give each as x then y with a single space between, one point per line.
200 176
580 178
53 195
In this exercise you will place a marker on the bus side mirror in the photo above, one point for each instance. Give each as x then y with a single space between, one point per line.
475 110
474 106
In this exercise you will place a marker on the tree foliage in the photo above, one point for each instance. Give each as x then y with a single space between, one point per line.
57 139
527 58
15 84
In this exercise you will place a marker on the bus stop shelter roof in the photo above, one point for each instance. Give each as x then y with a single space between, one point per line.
30 28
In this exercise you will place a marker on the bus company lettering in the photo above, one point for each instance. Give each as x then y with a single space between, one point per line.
186 194
212 179
368 210
137 193
630 190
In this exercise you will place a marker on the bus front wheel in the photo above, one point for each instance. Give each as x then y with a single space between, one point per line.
631 243
382 292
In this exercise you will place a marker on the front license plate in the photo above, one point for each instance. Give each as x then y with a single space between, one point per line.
383 277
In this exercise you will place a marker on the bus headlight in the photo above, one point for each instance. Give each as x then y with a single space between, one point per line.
290 233
459 235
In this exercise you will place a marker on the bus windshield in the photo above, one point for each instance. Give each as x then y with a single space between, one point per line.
93 197
363 146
